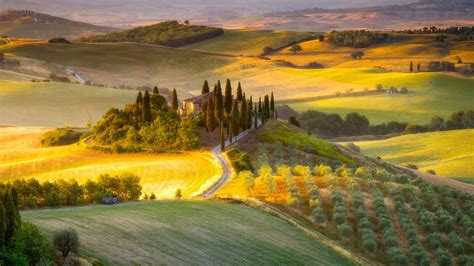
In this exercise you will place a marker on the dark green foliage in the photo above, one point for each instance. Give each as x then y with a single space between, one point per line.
205 88
67 241
240 160
411 66
228 98
211 121
293 121
218 103
174 100
356 39
146 110
29 242
60 136
244 116
443 257
272 106
318 215
235 119
239 92
59 41
32 194
168 33
437 66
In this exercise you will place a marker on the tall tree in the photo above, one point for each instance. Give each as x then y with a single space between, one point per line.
3 225
218 104
222 138
272 106
239 92
174 100
266 108
260 111
228 98
411 66
244 121
210 116
205 87
156 91
235 120
146 110
10 202
418 67
249 112
139 98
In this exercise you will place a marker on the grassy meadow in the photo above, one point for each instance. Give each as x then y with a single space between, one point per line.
429 94
247 42
21 156
49 31
57 104
185 232
449 153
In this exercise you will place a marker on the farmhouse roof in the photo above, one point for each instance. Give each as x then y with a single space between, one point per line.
200 98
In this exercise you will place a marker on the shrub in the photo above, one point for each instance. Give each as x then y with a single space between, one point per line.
59 40
443 257
434 240
239 160
60 136
66 241
345 230
318 215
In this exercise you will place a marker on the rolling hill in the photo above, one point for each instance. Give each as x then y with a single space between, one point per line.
185 232
30 24
22 157
449 153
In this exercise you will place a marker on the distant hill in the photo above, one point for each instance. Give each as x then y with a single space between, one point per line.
168 33
30 24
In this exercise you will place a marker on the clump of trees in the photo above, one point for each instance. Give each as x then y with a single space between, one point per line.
354 124
66 241
60 136
168 33
148 124
295 48
21 243
438 66
32 194
356 38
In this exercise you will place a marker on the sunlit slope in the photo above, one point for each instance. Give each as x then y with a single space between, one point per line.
57 104
395 55
429 94
186 232
247 42
449 153
49 31
21 156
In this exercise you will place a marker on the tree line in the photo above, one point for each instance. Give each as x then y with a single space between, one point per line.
232 115
355 124
33 194
147 125
168 33
356 38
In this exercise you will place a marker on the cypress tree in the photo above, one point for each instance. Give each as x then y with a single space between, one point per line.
205 87
235 120
12 213
139 98
249 112
260 113
239 92
3 224
418 67
156 91
228 98
146 110
204 107
411 66
266 108
243 114
174 100
218 104
222 138
210 116
255 116
272 106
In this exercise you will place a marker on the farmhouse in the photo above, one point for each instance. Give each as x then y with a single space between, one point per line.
193 105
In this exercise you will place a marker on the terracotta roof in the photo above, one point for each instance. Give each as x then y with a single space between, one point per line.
199 99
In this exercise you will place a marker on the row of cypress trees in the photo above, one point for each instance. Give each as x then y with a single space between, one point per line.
234 115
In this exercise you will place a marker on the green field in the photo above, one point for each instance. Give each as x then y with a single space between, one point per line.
57 104
429 94
247 42
186 232
449 153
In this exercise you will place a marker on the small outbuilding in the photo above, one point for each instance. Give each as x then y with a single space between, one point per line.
110 200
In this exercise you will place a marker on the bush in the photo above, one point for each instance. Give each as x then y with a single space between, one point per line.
239 160
59 40
345 230
443 257
66 241
31 243
318 215
60 136
434 241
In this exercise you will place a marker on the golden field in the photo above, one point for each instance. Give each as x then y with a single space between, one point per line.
21 156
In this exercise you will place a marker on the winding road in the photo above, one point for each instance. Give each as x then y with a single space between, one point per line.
226 168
